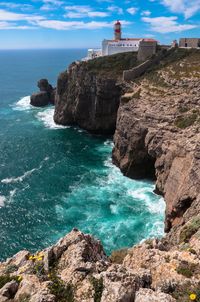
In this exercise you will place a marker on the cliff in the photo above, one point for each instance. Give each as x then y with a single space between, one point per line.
77 269
88 93
157 134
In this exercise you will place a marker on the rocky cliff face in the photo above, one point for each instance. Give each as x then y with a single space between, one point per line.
77 269
88 93
157 133
87 100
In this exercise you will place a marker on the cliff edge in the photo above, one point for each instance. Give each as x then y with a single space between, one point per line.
88 93
157 134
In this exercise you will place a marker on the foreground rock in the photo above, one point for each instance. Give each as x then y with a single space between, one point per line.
46 95
158 135
77 269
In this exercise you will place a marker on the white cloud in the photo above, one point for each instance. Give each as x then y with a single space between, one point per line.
186 7
167 24
115 9
9 25
74 25
132 10
9 16
51 4
145 13
82 11
12 5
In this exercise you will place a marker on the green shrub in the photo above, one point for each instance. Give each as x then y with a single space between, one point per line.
186 269
189 229
7 278
118 256
98 288
63 292
183 122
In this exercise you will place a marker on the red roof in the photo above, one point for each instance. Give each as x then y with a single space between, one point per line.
117 23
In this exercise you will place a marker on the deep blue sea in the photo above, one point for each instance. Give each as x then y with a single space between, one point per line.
54 178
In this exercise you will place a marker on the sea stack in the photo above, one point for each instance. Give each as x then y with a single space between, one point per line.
45 96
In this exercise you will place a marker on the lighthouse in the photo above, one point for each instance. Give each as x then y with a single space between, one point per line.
117 31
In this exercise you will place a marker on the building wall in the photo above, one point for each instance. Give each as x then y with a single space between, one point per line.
189 42
113 47
146 50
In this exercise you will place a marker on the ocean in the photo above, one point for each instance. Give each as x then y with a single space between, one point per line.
55 178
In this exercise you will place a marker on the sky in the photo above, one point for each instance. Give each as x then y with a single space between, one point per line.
84 24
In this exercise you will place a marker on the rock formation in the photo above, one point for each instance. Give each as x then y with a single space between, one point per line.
46 95
77 269
157 134
87 100
88 93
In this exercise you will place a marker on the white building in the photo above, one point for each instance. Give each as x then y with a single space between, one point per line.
119 45
110 47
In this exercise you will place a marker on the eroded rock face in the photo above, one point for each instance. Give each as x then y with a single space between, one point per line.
77 269
87 100
158 132
46 95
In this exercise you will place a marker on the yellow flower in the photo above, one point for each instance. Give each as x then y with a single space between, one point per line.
49 275
39 258
19 278
193 297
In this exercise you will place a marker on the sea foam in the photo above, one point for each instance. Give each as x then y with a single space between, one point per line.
22 177
23 104
46 116
2 201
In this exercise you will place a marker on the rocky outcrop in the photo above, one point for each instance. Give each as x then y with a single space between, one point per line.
87 100
157 134
77 269
46 95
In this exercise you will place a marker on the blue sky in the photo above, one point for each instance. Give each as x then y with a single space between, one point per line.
83 24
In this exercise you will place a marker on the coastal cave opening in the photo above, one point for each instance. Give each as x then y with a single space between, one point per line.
142 167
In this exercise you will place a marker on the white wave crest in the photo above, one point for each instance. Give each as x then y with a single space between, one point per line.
23 104
17 179
46 117
22 177
2 201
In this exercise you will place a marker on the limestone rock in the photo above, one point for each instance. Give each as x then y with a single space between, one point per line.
157 135
8 291
87 100
45 96
148 295
120 283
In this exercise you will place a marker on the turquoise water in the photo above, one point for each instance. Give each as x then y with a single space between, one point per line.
54 178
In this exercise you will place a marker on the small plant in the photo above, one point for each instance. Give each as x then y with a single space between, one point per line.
118 256
137 94
62 292
186 269
190 229
98 288
7 278
185 121
11 269
184 293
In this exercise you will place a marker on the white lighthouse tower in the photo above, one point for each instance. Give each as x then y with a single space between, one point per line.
117 31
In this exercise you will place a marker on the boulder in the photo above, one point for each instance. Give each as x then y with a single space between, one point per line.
8 291
148 295
40 99
46 95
